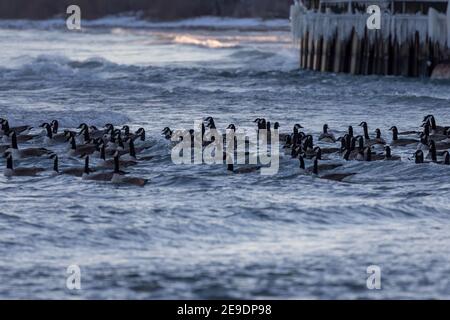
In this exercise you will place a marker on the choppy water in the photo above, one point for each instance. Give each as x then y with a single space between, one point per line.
195 231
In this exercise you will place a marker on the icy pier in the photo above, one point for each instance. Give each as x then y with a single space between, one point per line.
332 35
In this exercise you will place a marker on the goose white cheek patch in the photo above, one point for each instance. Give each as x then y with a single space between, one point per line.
213 147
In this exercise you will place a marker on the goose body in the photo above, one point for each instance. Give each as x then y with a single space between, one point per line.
51 137
99 176
77 172
7 137
82 149
329 176
119 177
25 153
18 130
10 171
431 121
326 136
402 141
110 162
242 170
389 156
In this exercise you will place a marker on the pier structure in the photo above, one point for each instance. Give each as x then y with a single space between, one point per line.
332 36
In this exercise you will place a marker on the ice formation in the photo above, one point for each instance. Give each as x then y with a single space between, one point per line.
401 27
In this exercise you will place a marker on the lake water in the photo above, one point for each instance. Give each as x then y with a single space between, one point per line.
195 231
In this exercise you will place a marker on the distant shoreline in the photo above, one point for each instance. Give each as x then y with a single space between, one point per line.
133 21
161 10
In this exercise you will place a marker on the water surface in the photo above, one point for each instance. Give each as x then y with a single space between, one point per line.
196 231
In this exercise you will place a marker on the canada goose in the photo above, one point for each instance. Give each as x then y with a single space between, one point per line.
110 162
368 141
331 176
77 172
442 145
101 133
55 126
350 131
133 150
18 130
446 159
437 136
120 178
323 166
389 155
11 171
92 132
432 153
418 156
89 133
318 152
126 131
99 176
51 137
282 136
308 147
329 150
210 123
350 151
7 137
378 139
326 136
343 146
25 153
295 151
115 143
167 133
400 142
81 150
140 140
232 169
248 169
302 162
261 122
369 156
365 130
423 143
432 122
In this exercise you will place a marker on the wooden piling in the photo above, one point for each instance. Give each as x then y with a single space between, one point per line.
370 52
325 59
305 50
365 55
386 56
423 59
415 55
310 57
404 58
337 55
355 57
396 58
317 54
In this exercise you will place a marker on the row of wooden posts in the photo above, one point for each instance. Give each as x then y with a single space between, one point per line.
359 55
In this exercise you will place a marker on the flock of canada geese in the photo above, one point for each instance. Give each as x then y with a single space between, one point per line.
432 139
116 148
